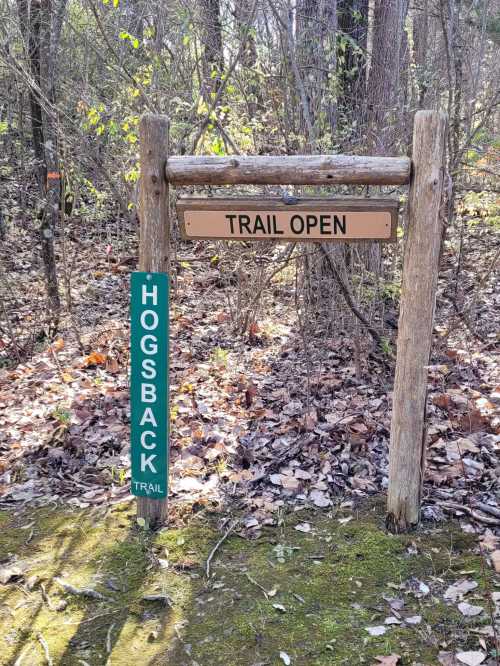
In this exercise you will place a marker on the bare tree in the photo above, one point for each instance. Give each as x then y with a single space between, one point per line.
41 24
213 57
384 79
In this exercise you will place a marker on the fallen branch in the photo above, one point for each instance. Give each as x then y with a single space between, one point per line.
254 582
81 592
487 508
452 506
45 647
218 545
163 598
108 638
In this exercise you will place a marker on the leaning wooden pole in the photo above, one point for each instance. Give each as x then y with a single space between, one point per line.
154 240
418 295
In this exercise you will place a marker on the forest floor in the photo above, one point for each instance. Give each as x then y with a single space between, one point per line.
88 586
268 430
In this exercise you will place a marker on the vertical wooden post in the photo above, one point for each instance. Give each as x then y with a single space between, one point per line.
418 295
154 246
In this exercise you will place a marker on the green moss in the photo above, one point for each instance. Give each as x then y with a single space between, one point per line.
330 583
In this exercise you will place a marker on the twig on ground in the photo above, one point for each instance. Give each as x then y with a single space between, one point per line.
487 508
20 659
218 545
254 582
108 638
82 592
45 647
452 506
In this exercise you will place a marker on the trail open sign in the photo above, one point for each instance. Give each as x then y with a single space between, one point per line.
149 383
320 219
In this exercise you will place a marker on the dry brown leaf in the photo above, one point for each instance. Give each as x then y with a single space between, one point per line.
442 400
495 560
94 358
57 345
388 660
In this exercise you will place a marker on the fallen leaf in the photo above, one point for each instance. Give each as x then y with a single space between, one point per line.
376 631
303 527
285 658
447 659
290 482
442 400
58 344
279 607
469 610
302 474
414 619
389 660
94 358
319 498
457 590
471 658
292 408
392 620
495 560
67 378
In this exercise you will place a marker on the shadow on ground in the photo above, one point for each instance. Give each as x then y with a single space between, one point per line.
307 594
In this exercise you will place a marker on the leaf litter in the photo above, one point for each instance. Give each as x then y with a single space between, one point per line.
244 428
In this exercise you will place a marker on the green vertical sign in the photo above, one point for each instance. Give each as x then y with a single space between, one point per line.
149 307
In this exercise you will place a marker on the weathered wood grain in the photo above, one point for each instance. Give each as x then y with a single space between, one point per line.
418 294
288 170
154 240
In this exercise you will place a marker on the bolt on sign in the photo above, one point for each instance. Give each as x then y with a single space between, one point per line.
321 219
149 308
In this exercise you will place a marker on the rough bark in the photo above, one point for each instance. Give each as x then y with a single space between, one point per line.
154 241
289 170
41 26
213 57
384 78
418 295
353 28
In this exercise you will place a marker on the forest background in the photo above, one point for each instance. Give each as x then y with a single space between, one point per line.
247 77
282 356
252 77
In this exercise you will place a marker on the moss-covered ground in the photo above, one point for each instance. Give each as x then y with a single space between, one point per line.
310 595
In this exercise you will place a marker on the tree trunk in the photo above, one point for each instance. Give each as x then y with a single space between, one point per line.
315 39
243 13
352 44
384 90
213 57
385 76
41 28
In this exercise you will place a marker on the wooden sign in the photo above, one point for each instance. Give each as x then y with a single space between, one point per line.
320 219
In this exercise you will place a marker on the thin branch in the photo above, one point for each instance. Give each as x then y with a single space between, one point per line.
218 545
348 297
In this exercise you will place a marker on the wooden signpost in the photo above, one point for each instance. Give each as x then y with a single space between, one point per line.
319 220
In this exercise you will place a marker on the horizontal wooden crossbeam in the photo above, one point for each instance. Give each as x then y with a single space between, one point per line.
288 170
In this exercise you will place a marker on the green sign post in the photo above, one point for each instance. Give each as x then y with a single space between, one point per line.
149 341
